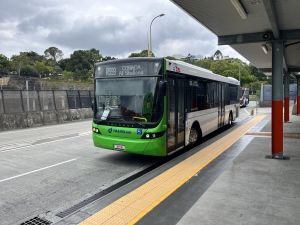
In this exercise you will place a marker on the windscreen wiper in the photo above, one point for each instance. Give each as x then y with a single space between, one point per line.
123 120
140 124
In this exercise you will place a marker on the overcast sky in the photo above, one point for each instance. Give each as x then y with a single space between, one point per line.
115 27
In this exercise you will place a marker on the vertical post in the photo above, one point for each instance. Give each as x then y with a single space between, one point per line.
41 106
69 105
79 96
277 101
90 97
298 95
277 97
55 108
27 95
286 98
68 101
54 101
3 104
22 103
39 100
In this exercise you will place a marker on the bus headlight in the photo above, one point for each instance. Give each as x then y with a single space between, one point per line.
153 135
96 130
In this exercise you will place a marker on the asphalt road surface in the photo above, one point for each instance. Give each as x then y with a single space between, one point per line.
54 167
51 168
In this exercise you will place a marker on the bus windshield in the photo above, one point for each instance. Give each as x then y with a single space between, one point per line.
127 101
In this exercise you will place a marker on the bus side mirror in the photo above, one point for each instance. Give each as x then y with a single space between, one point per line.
163 87
92 105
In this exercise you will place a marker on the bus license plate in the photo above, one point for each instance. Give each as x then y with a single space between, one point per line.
119 147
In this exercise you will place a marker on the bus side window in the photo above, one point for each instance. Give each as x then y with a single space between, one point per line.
233 89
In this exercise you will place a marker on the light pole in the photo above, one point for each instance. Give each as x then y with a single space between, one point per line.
150 40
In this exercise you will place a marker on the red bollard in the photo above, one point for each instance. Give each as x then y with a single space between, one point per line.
277 128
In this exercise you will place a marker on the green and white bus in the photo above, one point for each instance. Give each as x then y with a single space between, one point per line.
156 106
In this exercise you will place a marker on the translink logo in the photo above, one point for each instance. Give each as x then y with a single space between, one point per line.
110 130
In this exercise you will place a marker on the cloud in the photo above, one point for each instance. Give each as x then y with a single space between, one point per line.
48 20
16 10
114 27
110 34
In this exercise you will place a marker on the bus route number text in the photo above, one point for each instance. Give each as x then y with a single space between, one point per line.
111 71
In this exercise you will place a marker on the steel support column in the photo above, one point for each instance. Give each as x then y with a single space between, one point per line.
277 99
286 98
298 95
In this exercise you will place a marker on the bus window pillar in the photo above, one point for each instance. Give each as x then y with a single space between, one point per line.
286 98
298 95
277 100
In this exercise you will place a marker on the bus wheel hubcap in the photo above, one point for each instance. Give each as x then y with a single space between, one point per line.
193 136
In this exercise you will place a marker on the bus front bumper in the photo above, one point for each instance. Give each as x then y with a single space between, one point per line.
153 147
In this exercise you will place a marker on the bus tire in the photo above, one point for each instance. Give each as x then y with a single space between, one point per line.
195 135
230 119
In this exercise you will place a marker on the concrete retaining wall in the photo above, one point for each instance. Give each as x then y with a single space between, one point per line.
34 119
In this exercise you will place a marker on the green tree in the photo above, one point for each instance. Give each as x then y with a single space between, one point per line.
93 56
4 64
233 68
53 53
143 53
29 71
81 63
68 75
42 68
29 62
170 57
19 61
63 63
108 58
189 59
259 75
33 57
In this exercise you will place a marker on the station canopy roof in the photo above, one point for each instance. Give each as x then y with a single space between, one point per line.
249 26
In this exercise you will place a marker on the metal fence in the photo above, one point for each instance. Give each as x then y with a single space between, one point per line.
34 101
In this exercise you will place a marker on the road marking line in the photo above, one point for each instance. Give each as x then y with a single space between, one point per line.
32 145
246 111
85 133
42 128
133 206
30 141
34 171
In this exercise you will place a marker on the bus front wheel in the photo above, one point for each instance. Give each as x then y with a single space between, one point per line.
195 136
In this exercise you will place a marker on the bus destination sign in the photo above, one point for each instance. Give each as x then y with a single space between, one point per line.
128 70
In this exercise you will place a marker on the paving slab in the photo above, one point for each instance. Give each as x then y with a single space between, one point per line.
254 190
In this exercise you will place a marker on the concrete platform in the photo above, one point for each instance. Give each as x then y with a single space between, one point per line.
254 190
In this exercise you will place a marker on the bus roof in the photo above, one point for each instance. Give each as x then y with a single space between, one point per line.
129 60
179 67
189 69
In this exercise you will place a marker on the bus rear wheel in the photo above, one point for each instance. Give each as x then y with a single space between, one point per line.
195 136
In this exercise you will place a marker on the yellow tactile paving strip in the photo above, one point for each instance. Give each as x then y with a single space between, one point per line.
130 208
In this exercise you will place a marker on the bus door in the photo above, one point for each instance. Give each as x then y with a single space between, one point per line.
221 110
176 124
